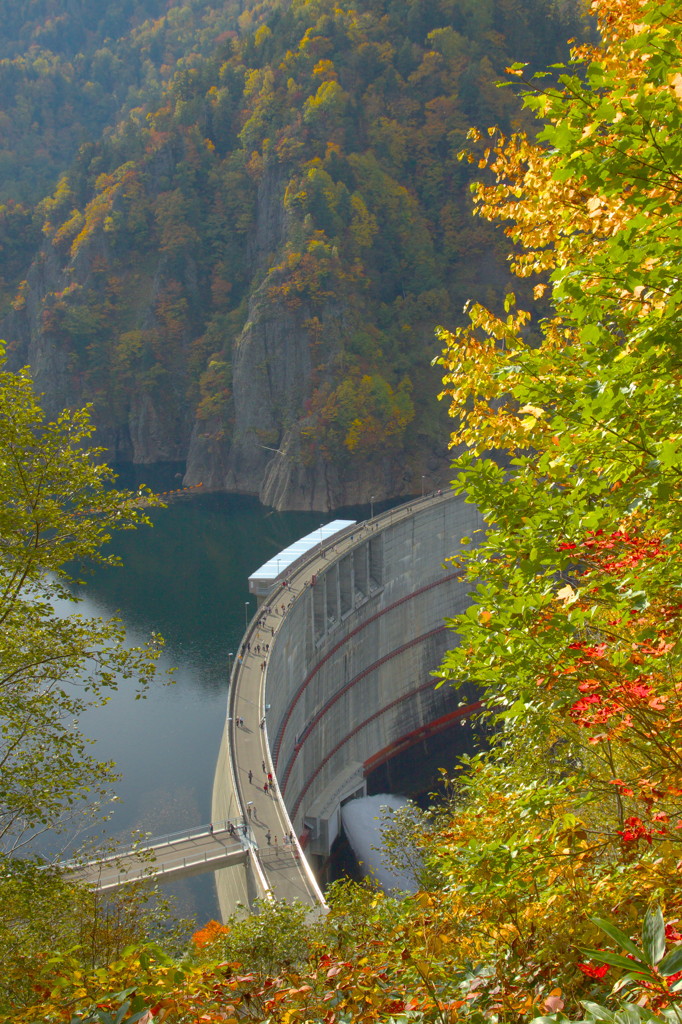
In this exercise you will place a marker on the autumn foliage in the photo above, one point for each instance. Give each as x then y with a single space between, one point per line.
558 845
574 633
290 165
207 935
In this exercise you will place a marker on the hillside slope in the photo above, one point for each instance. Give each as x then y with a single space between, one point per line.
246 274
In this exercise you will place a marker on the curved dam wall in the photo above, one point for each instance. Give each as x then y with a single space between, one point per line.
354 629
349 674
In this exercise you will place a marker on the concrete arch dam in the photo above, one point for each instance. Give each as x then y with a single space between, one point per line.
333 679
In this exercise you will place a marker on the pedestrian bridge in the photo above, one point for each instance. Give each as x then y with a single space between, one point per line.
179 855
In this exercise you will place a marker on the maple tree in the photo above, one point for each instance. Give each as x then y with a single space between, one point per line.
575 627
59 510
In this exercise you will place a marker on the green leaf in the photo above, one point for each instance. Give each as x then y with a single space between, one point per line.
597 1011
669 454
672 963
618 936
653 935
629 1014
632 977
605 956
553 1018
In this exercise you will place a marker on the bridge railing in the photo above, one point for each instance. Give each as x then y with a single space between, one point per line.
175 866
152 842
191 833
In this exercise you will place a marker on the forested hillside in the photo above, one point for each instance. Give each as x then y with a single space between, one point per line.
244 262
68 70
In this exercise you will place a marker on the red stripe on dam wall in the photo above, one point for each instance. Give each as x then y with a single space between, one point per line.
422 733
349 685
428 729
344 640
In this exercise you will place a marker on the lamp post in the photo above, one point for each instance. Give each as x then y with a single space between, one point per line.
246 615
371 507
321 539
423 478
230 659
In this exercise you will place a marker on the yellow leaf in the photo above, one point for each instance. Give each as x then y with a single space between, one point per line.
676 85
532 410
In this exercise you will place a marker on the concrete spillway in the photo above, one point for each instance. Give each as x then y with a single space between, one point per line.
346 681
